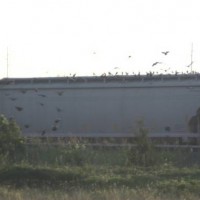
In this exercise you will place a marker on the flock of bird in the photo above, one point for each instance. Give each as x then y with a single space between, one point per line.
165 53
18 108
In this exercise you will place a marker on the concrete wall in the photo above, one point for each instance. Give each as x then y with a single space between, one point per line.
113 107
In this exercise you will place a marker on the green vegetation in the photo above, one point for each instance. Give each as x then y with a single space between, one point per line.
168 182
11 142
76 171
144 154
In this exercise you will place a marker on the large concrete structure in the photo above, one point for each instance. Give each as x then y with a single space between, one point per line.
99 105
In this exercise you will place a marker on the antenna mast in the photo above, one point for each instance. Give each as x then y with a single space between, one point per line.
191 57
7 61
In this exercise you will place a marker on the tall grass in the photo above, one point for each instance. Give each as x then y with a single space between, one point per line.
59 155
66 155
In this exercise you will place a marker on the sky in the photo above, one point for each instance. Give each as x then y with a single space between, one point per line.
85 37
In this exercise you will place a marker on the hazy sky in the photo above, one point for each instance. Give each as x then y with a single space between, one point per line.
59 37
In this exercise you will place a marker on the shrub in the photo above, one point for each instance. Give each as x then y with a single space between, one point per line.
74 152
143 154
11 141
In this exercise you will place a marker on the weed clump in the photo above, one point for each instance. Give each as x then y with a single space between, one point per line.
143 153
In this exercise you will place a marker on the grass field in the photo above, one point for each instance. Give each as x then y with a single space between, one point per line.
89 182
79 172
99 182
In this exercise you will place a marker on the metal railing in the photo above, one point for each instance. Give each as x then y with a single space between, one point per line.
161 140
116 135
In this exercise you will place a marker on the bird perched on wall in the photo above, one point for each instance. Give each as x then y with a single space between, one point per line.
18 108
23 91
165 70
165 52
103 75
156 63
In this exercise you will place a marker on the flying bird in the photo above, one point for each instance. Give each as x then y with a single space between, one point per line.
43 132
41 104
13 99
11 118
57 120
60 93
129 56
54 128
165 52
18 108
156 63
26 126
190 64
58 109
42 95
